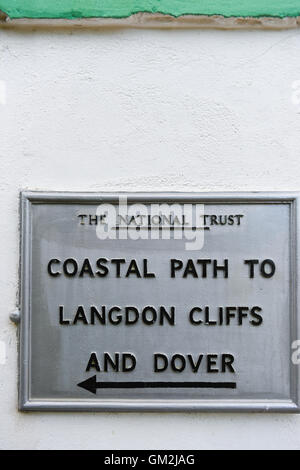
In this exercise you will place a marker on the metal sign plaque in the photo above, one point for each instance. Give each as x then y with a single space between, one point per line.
159 301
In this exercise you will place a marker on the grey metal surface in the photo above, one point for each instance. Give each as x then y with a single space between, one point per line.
54 357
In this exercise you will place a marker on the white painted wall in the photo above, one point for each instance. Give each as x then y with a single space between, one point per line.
189 110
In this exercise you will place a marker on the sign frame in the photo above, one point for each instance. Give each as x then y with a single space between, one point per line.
29 198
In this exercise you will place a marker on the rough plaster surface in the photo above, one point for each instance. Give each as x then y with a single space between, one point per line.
156 20
143 110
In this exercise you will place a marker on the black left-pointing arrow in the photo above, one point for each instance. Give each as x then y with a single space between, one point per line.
91 384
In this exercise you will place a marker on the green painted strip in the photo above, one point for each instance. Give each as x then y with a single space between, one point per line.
124 8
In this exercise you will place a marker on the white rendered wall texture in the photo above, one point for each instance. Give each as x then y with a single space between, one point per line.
113 109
